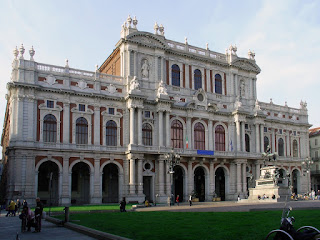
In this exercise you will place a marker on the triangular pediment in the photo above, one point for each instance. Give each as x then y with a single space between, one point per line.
246 65
147 39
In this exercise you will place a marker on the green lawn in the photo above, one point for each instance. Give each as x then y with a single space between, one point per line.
192 225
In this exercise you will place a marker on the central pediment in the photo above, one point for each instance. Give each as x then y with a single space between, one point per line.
246 65
147 39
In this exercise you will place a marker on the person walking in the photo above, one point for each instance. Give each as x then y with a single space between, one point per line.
177 200
18 204
11 209
123 205
190 200
38 214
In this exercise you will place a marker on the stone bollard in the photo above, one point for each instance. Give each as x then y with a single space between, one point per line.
66 214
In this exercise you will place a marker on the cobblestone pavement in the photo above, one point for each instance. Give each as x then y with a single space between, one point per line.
10 226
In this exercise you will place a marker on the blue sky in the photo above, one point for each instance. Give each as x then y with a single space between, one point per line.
285 36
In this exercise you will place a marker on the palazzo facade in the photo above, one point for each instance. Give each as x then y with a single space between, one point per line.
75 136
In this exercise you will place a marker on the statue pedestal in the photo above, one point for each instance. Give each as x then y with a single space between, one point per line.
267 188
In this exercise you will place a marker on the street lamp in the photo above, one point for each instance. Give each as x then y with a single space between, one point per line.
172 159
306 164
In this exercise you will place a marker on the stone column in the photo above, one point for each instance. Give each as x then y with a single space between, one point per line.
212 178
257 164
161 177
238 177
66 123
168 182
132 181
136 64
140 177
132 130
97 188
65 195
139 126
262 138
257 139
273 141
168 133
160 128
190 177
238 136
211 144
244 178
189 133
97 125
243 136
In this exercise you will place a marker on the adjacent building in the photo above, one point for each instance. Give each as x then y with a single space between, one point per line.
73 136
314 135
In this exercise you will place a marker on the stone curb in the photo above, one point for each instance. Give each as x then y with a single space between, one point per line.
85 230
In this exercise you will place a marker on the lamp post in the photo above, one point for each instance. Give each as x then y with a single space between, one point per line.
306 164
172 159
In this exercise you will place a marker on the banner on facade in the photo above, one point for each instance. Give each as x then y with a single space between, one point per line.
205 152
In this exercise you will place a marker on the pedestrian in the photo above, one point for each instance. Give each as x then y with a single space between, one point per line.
38 214
123 205
190 200
25 203
313 194
11 209
18 204
177 200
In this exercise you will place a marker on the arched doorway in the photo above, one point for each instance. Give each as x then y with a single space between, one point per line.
48 183
199 182
295 181
178 182
110 184
220 183
80 184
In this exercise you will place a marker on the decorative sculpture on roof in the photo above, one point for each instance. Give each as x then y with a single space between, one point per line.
257 106
145 69
134 84
303 105
251 54
162 90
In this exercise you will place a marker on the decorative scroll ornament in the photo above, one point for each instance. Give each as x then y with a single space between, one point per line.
82 84
111 89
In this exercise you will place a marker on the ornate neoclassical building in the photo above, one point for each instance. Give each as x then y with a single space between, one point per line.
103 135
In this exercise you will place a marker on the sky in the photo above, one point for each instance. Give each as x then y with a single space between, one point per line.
285 35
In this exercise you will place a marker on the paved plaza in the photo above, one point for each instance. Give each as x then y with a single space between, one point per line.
10 226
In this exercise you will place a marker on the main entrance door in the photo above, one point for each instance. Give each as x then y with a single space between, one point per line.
220 183
147 181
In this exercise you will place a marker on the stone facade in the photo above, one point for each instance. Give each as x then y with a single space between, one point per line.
98 137
314 135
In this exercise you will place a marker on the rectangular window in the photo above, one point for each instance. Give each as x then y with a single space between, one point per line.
316 154
50 104
246 126
147 114
280 131
295 133
316 142
82 107
265 129
111 111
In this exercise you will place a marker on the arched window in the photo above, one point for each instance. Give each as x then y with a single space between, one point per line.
199 136
280 147
176 134
265 143
295 148
82 131
111 133
197 79
49 128
218 83
147 134
219 137
175 75
247 140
